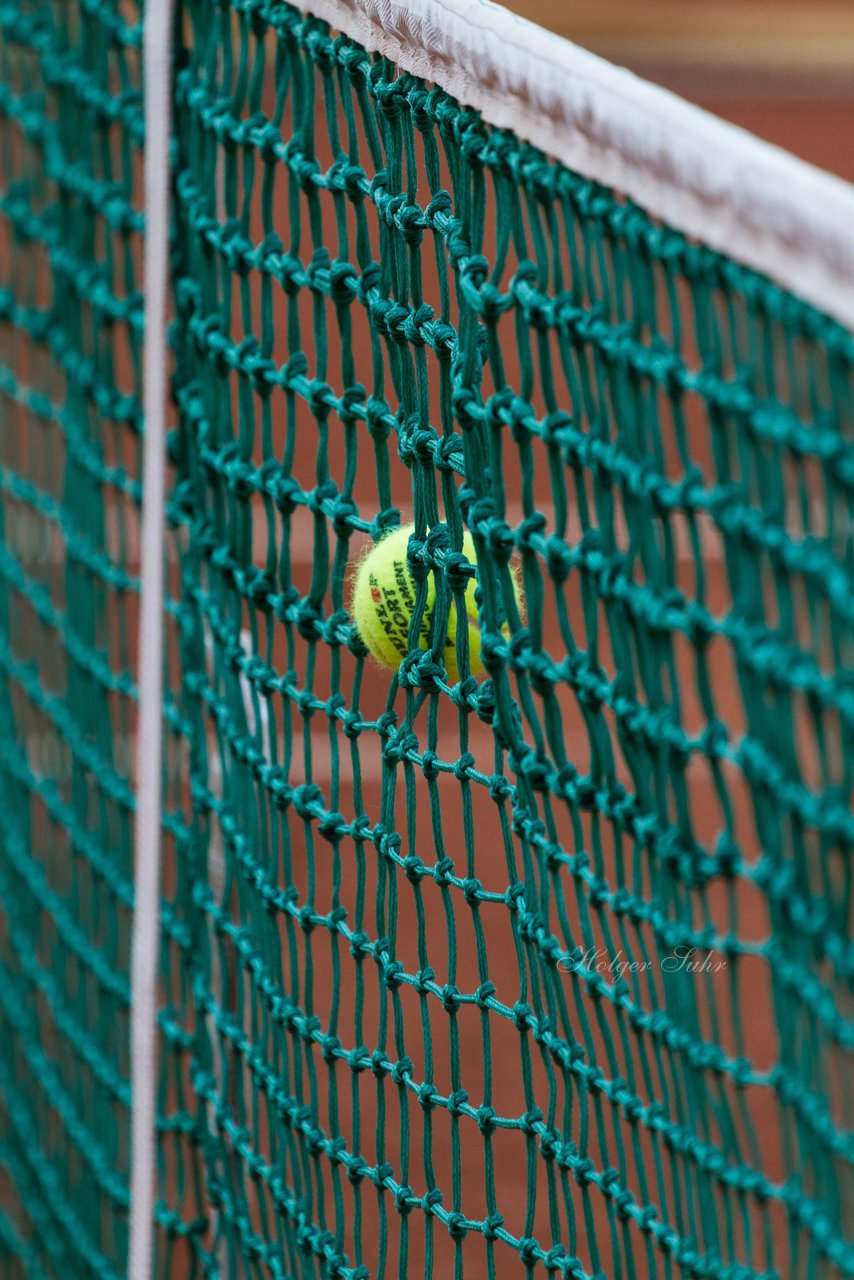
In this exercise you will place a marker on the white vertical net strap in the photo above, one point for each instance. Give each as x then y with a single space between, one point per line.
147 848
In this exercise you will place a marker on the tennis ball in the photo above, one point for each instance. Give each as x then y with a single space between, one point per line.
384 595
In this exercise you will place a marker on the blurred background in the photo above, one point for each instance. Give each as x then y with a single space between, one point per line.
783 69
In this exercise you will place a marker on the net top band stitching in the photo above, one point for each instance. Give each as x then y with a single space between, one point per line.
743 196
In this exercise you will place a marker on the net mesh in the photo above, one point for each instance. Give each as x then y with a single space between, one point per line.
545 972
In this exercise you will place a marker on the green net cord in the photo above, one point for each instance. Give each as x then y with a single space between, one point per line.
545 972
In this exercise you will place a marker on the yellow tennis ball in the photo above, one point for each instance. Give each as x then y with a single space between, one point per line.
384 595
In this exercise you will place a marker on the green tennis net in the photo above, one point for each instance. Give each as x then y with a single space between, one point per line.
541 973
